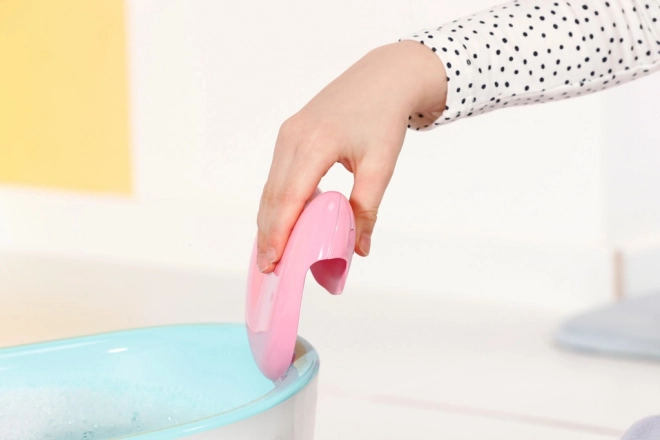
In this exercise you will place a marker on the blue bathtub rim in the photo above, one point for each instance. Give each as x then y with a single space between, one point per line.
307 367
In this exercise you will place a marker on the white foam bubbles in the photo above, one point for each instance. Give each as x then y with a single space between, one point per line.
96 413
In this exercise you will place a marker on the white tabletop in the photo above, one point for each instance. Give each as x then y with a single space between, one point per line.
392 366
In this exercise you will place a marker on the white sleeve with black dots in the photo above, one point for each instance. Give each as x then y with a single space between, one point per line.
534 51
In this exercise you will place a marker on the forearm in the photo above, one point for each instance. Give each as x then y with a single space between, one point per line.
407 77
534 51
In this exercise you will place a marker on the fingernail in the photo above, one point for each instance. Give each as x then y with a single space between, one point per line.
262 262
365 243
271 255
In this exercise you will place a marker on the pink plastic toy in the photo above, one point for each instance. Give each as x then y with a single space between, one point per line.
322 240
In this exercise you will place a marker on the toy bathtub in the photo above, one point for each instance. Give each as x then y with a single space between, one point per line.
194 382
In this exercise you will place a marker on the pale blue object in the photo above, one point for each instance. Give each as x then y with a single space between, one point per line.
645 429
630 328
156 383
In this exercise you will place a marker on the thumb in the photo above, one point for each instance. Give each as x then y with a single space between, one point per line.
369 187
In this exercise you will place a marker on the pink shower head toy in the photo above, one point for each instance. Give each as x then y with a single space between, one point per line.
322 240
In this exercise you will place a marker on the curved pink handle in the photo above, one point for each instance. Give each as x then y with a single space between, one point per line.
322 240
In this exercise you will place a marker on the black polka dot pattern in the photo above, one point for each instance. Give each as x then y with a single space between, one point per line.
535 51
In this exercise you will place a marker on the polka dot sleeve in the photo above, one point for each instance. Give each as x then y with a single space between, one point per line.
535 51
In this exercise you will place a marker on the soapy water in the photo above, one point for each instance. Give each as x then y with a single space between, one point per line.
97 413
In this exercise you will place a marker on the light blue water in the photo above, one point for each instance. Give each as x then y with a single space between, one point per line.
133 382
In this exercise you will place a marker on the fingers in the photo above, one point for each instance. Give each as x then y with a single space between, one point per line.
371 180
294 176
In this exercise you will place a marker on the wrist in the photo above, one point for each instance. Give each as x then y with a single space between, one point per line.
419 75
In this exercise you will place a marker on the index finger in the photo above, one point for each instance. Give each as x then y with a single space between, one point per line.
293 180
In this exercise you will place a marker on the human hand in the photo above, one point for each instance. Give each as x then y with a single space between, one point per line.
358 120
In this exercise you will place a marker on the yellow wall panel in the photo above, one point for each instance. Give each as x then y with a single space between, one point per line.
64 95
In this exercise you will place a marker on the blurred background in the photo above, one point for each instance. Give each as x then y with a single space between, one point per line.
135 138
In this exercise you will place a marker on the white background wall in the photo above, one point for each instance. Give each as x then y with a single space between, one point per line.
631 145
518 206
